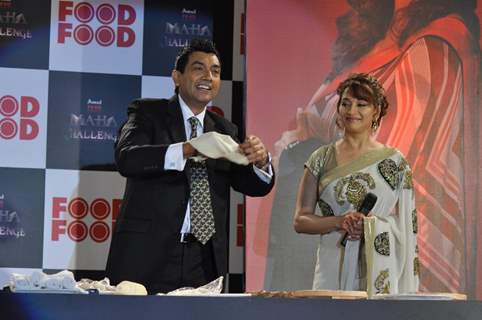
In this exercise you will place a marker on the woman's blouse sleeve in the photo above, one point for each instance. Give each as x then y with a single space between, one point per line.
316 161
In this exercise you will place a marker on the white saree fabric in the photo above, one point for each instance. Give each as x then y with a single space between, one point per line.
386 260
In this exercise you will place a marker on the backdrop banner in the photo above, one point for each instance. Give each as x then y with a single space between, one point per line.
68 71
427 57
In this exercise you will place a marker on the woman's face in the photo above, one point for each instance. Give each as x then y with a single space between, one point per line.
356 115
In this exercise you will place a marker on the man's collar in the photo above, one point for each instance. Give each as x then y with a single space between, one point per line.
187 113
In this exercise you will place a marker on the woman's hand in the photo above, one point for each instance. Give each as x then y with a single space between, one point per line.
352 223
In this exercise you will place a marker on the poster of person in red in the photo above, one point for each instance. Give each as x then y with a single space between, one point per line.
426 54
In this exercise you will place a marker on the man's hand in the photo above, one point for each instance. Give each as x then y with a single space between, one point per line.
255 151
188 150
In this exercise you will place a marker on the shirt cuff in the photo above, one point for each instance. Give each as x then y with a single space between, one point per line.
174 159
265 173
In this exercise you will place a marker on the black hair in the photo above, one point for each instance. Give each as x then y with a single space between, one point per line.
203 45
420 13
368 21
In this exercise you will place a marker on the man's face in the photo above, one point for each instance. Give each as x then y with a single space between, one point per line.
200 81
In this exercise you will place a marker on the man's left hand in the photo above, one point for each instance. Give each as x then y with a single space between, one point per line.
254 149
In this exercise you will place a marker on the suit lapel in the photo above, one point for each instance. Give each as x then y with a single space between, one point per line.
175 122
208 126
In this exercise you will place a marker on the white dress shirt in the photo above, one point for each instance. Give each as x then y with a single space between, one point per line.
174 159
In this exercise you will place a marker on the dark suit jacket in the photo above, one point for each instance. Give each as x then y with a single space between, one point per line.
147 232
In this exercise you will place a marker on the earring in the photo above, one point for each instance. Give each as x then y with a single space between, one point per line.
374 125
339 123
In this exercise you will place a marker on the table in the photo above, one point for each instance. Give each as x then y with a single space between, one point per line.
18 306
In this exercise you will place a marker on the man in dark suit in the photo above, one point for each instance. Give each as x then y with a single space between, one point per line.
157 241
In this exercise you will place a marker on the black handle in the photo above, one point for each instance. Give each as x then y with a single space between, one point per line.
367 205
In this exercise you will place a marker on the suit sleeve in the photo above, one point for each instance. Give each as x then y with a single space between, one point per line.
135 153
245 180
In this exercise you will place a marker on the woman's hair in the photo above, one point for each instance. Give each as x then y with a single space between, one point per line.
359 30
420 13
368 21
366 87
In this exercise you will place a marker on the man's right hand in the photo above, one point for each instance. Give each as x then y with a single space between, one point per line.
188 150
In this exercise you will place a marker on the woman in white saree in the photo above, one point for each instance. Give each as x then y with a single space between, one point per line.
380 255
